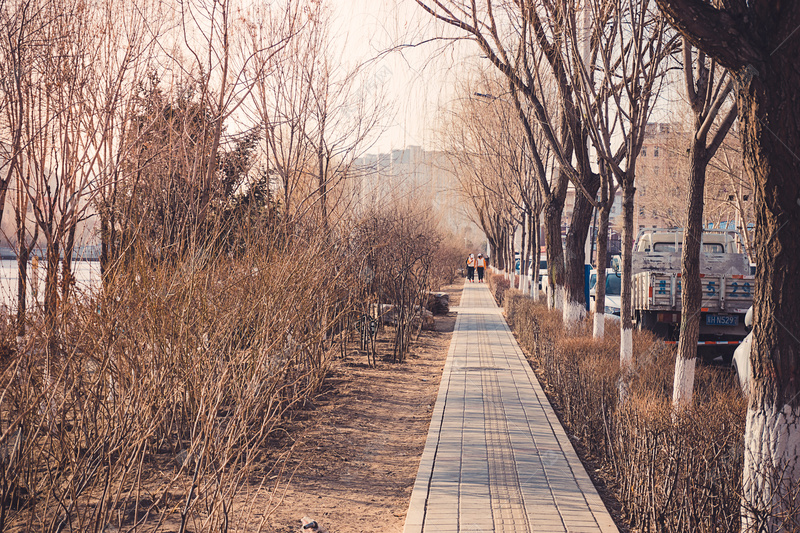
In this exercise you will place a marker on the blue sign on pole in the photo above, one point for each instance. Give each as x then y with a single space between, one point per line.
587 269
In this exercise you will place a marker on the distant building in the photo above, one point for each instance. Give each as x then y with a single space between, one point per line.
660 184
659 202
416 175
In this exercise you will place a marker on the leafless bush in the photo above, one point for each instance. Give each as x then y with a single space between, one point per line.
498 284
164 392
398 244
672 472
447 262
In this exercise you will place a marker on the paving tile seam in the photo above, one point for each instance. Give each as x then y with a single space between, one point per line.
569 454
510 492
587 489
467 508
434 431
482 432
515 391
503 330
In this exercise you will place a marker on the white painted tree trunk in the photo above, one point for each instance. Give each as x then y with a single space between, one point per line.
625 362
625 348
556 299
599 325
535 287
573 313
771 479
683 382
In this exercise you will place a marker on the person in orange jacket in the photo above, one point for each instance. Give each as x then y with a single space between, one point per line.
481 265
471 268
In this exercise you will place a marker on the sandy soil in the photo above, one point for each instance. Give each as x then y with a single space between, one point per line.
357 450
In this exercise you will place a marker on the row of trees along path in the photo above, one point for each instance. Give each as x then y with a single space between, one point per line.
587 74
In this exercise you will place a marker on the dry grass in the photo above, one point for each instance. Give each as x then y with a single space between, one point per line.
670 473
159 402
156 404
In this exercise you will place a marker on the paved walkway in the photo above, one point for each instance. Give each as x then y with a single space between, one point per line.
496 458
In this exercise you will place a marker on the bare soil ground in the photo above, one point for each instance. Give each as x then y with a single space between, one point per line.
357 450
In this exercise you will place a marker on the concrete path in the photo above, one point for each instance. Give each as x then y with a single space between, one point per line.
497 458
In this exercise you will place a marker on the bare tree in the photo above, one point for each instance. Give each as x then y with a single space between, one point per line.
26 242
757 42
587 40
525 41
608 194
731 194
316 116
478 185
283 101
504 140
707 88
21 24
58 158
481 135
115 99
632 43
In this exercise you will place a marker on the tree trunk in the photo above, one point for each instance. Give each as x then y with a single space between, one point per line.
512 258
523 255
51 316
22 284
555 253
757 41
500 253
67 279
23 255
575 256
534 238
51 286
768 114
323 186
598 330
691 287
626 323
105 243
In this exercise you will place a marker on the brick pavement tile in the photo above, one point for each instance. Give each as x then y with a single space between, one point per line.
496 458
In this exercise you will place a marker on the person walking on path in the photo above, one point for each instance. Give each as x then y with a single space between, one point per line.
481 265
471 267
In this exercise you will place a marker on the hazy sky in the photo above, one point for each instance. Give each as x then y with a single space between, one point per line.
416 79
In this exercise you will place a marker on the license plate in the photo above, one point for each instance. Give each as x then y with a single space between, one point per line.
722 320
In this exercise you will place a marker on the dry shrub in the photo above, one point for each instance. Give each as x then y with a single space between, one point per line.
448 261
498 284
399 245
672 471
157 407
160 402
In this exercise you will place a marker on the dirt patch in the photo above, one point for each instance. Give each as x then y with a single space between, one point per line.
358 449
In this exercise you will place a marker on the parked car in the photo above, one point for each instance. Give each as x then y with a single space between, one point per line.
741 356
542 273
613 290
